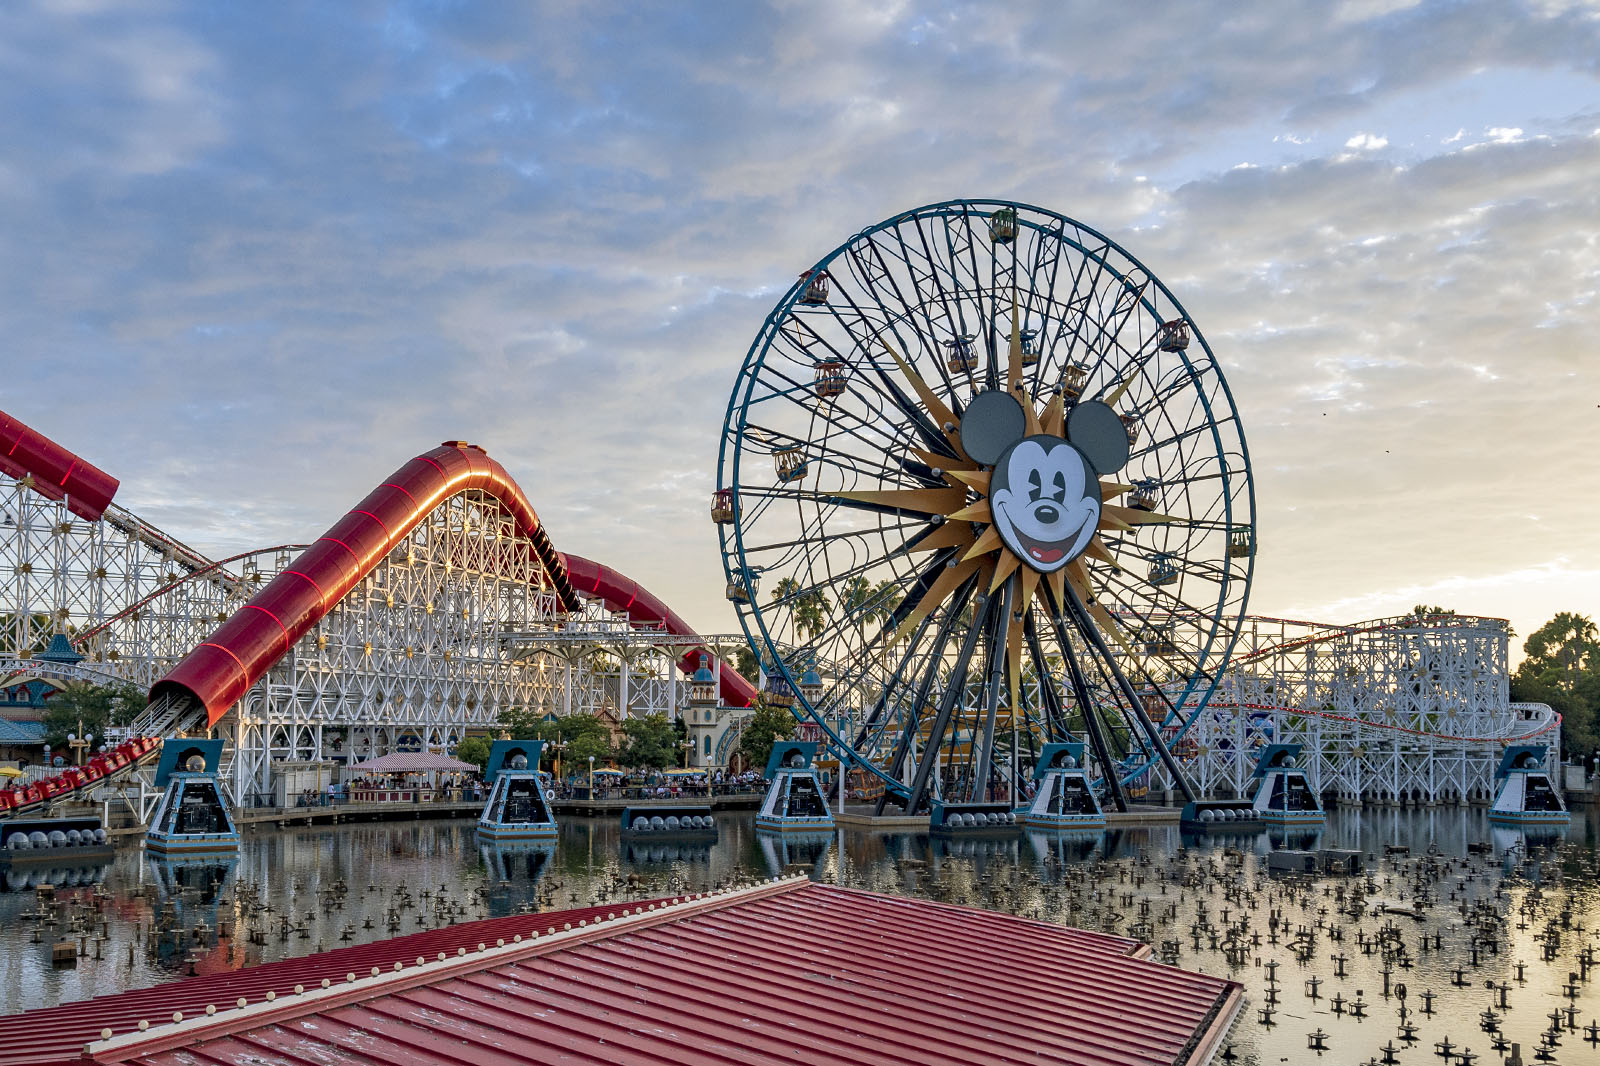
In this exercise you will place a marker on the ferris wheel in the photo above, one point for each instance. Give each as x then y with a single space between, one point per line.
982 487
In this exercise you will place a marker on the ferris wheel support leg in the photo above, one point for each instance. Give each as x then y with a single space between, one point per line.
1051 699
1091 724
953 691
1086 625
882 703
903 745
997 677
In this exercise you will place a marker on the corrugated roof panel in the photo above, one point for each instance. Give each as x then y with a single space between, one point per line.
784 973
57 1033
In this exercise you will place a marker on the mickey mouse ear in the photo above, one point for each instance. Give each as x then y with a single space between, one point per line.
1095 430
992 423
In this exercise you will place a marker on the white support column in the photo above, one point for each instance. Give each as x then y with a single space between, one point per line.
624 668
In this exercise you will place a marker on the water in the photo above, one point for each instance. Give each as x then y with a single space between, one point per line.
329 887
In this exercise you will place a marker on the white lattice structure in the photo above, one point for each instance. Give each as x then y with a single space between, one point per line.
457 624
133 599
1397 710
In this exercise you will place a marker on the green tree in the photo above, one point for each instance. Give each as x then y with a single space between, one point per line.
596 743
744 661
651 742
1562 669
582 734
519 723
25 633
808 607
1565 651
84 707
766 726
474 750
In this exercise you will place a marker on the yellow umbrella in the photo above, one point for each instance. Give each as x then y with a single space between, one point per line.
10 771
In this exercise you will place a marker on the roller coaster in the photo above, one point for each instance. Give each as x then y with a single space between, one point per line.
434 605
1411 709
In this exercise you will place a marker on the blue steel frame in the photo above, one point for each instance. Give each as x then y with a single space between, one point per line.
731 536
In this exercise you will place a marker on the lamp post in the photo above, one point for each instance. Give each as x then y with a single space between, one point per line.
591 777
77 743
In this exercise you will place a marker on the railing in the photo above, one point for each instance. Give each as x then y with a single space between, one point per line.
164 718
655 792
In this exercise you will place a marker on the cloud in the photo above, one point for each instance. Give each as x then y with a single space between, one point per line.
276 256
1366 142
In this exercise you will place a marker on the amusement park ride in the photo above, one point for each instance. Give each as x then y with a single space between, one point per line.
1066 796
1526 795
985 508
518 807
796 801
192 817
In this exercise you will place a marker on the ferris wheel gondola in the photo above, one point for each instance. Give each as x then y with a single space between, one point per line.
993 478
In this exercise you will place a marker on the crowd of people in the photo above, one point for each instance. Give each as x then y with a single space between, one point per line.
656 784
460 788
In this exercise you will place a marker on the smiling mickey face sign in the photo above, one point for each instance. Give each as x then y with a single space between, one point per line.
1044 492
1046 501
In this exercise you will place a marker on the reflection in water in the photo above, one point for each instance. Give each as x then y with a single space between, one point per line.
505 864
1205 902
787 854
30 878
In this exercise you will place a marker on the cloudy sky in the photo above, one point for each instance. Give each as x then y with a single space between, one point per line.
259 254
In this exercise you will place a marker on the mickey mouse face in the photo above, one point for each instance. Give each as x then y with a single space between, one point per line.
1046 501
1044 492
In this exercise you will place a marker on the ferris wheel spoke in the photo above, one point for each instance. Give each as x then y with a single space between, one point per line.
869 278
1080 318
1087 706
952 695
1050 698
916 309
875 531
978 290
951 308
1053 346
1175 438
856 427
1126 298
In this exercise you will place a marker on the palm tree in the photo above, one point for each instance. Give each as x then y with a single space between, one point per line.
811 614
855 596
809 607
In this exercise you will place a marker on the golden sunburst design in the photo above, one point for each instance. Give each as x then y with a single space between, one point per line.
967 521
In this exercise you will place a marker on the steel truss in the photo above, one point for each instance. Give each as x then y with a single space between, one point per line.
1398 710
133 599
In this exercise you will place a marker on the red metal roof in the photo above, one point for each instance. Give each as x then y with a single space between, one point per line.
56 1034
785 972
